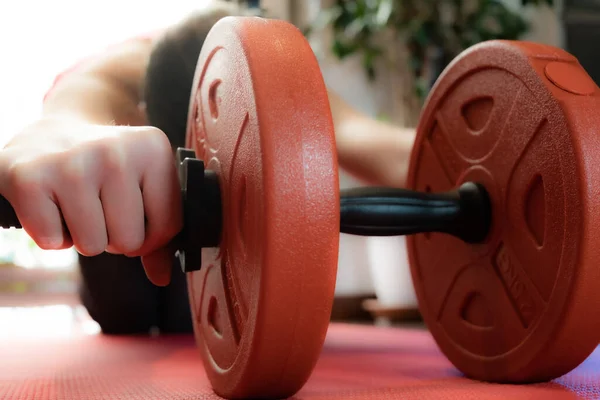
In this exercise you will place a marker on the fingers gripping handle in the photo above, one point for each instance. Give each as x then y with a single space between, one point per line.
8 216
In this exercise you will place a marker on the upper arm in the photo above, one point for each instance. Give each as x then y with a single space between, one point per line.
104 88
123 65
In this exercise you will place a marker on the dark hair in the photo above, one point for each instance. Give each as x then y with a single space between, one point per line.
170 72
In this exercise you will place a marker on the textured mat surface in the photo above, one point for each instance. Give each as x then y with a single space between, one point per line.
358 362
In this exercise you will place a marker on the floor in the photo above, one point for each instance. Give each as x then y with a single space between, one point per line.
62 357
56 351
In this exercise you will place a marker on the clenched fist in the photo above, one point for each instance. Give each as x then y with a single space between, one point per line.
97 188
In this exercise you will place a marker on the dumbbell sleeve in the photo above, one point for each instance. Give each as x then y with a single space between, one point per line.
464 213
8 216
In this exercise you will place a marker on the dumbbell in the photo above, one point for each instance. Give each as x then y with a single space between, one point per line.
500 210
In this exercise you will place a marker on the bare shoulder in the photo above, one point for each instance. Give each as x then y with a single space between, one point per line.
125 62
104 88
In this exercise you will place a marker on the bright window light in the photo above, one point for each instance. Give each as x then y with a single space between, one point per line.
38 40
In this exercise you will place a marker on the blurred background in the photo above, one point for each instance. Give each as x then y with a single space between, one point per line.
381 56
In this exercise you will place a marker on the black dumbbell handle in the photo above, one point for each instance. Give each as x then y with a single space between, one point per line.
8 216
464 213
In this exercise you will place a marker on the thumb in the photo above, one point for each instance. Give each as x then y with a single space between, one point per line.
159 265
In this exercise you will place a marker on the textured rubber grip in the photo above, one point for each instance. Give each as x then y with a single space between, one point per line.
464 212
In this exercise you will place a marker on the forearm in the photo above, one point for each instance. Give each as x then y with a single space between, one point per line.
103 90
373 151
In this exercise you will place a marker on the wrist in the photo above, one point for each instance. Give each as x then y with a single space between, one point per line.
46 128
64 116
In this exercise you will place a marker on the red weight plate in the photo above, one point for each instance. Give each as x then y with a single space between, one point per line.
260 118
521 119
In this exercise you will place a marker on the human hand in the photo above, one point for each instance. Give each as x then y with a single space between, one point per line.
97 188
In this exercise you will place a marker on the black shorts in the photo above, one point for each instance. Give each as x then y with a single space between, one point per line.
121 299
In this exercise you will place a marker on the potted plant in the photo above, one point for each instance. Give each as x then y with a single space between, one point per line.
423 35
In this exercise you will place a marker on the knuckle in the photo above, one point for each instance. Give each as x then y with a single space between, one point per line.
43 241
105 155
23 179
90 249
43 244
129 243
114 159
157 142
89 242
74 173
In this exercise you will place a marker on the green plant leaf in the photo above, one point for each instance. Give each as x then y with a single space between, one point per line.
449 26
343 50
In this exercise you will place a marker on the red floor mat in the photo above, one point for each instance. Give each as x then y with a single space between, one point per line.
358 362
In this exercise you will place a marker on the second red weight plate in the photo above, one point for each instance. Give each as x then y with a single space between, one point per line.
523 120
260 118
